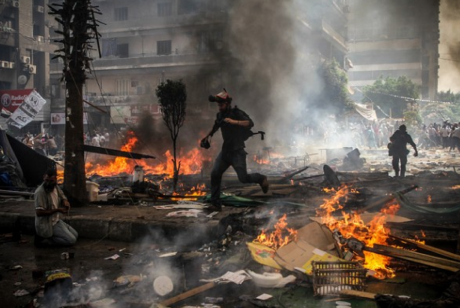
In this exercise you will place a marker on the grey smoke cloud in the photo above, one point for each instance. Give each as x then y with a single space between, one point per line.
449 48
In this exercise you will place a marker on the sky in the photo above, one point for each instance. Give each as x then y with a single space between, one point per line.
449 48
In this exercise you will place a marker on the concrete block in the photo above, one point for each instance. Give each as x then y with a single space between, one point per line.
88 227
120 230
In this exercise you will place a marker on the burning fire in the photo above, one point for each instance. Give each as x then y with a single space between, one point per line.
261 160
190 163
279 237
428 199
192 194
351 225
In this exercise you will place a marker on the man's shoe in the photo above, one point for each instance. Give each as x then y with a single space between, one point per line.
264 185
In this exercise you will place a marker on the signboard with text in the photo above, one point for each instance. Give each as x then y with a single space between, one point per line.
12 99
26 112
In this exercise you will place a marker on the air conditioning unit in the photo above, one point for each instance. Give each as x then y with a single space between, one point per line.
15 3
40 38
32 69
5 64
12 64
40 8
25 60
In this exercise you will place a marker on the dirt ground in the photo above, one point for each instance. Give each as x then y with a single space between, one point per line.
22 266
93 278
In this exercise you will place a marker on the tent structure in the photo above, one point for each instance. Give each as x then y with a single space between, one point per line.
25 166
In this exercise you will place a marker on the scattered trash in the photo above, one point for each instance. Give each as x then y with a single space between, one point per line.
211 215
21 292
58 286
15 268
188 213
168 254
67 255
270 280
102 303
236 277
342 303
264 297
114 257
129 280
163 285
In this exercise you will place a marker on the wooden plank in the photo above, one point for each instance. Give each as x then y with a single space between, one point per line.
384 200
412 226
395 252
360 294
440 266
438 251
188 294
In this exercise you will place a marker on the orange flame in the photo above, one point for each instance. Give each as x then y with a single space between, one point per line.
192 194
190 163
279 237
353 226
265 158
428 199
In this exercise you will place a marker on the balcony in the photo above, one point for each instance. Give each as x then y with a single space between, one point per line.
152 61
145 23
332 35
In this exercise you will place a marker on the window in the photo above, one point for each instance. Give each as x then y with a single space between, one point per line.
123 50
123 86
163 47
164 9
188 6
121 13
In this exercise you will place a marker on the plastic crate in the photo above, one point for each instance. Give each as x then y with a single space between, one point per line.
330 278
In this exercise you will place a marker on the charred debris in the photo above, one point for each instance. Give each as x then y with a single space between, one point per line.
305 250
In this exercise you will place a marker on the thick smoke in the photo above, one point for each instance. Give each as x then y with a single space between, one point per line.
450 46
275 76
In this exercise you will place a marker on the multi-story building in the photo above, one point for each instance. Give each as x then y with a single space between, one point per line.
25 50
394 38
146 42
142 44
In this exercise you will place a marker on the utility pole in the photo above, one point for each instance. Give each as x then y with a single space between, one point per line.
79 29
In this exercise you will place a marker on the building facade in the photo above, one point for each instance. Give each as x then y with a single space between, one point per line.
25 51
394 38
146 42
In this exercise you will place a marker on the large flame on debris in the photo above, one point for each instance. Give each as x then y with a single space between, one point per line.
279 237
352 225
190 163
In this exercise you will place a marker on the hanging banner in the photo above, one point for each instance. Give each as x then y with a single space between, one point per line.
27 111
12 99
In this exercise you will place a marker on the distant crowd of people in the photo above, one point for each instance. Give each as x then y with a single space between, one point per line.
50 145
44 144
445 135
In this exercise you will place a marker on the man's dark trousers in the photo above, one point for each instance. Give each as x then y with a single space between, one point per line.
236 159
